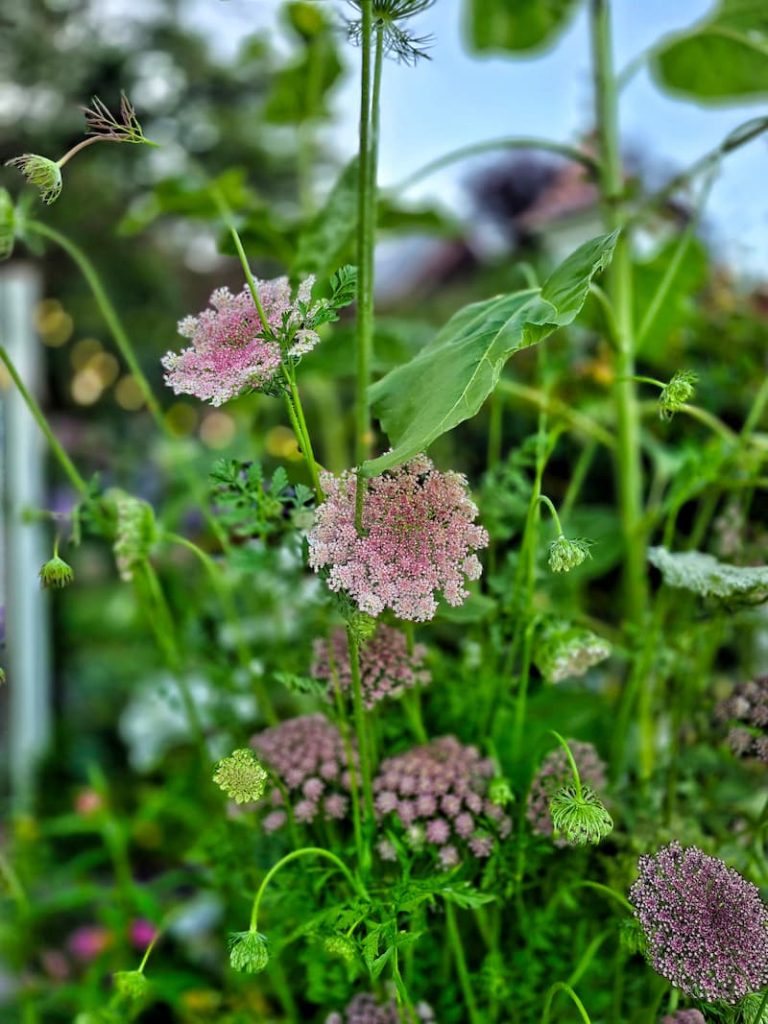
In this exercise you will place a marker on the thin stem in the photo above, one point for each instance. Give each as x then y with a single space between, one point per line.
560 986
39 417
571 762
360 730
553 512
82 145
253 288
306 444
607 891
314 851
454 938
13 884
577 421
109 314
348 750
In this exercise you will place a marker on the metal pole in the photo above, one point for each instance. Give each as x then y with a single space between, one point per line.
26 725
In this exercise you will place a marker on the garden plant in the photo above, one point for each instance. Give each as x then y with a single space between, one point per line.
463 670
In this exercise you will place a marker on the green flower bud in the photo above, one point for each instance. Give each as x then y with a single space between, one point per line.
342 947
241 776
56 573
248 952
580 819
565 554
41 172
7 224
132 985
680 390
135 532
500 792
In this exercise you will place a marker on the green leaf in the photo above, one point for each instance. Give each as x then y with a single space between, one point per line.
497 26
448 381
706 576
724 57
300 91
323 243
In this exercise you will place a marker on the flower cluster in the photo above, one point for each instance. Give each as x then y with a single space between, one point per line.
387 668
419 537
579 816
705 926
554 774
684 1017
679 390
565 554
564 651
233 351
307 755
135 531
241 777
366 1009
439 794
747 705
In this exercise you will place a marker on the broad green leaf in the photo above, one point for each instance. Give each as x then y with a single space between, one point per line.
724 57
448 381
706 576
324 241
516 25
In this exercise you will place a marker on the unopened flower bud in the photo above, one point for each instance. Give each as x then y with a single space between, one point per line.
580 818
500 792
341 946
248 952
241 776
566 554
56 573
680 390
131 985
41 172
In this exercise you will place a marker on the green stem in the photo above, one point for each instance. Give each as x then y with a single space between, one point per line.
362 852
314 851
109 314
304 438
13 884
607 891
553 512
253 287
465 981
360 730
560 986
571 762
554 406
39 417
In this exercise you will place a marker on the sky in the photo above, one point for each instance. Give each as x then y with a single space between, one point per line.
458 98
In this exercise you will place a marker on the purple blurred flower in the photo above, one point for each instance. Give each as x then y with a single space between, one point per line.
142 932
705 926
366 1009
89 942
747 706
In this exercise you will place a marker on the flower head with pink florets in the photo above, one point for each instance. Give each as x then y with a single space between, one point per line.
418 540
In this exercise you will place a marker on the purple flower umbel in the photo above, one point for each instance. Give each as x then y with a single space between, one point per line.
366 1009
705 926
747 710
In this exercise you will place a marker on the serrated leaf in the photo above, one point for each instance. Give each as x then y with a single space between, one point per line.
708 577
324 241
380 963
503 26
724 57
448 381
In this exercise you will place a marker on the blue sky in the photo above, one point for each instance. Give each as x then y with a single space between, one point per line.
457 98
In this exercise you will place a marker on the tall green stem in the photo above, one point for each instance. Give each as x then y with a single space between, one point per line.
360 730
628 463
465 981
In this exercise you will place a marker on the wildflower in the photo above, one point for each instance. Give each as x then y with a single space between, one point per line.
418 538
234 351
56 573
241 776
389 16
142 933
7 224
676 393
366 1009
41 172
555 773
387 668
705 926
307 755
248 952
135 531
684 1017
89 942
102 123
579 816
566 554
131 985
564 651
748 706
438 794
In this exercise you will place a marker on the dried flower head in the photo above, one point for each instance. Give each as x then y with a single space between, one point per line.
676 393
234 351
248 952
419 538
564 651
101 122
387 668
132 985
747 710
307 755
565 554
135 531
389 17
241 776
579 817
437 794
7 224
554 774
365 1008
41 172
56 573
705 926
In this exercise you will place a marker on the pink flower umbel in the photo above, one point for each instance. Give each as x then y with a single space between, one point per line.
438 793
419 538
386 667
233 351
307 755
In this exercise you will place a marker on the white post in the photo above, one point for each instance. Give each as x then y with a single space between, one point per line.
27 724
